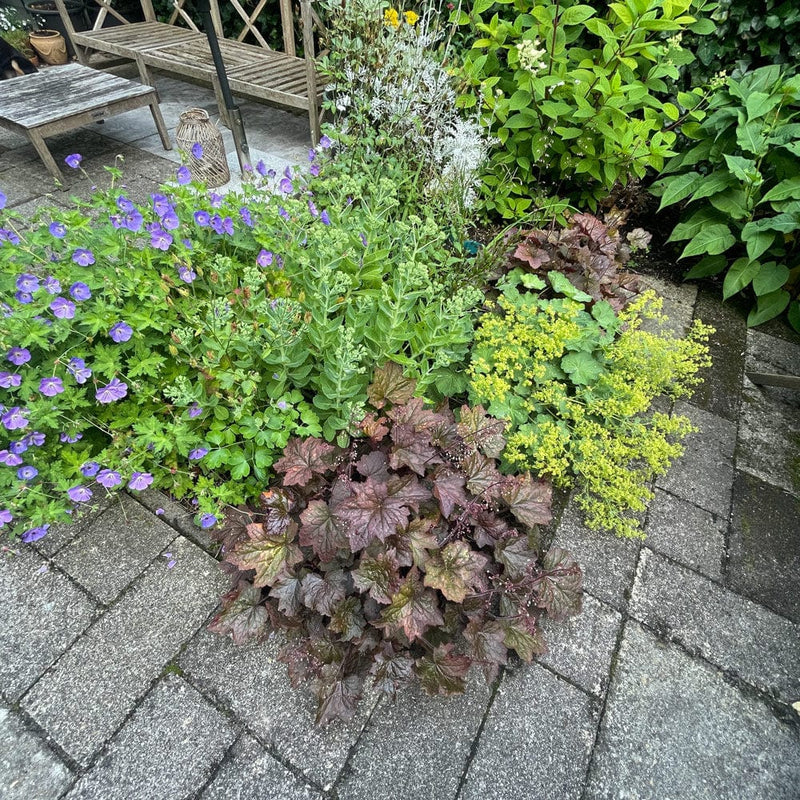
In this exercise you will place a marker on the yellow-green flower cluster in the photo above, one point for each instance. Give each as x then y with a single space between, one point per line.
594 426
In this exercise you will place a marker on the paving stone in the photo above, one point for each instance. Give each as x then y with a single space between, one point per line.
769 424
581 648
763 556
25 182
686 533
175 515
417 746
608 563
677 304
727 629
536 740
60 535
704 474
251 682
87 695
254 773
674 730
722 384
167 750
28 768
43 613
114 548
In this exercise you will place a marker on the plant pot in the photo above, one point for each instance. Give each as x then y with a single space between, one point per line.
46 9
50 45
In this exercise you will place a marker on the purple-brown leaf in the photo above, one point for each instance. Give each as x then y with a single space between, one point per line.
487 646
560 587
372 513
323 593
412 449
482 432
528 500
378 575
323 530
241 615
390 386
456 570
448 488
412 610
304 458
267 555
443 672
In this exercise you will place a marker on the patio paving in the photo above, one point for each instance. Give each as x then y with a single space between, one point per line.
681 679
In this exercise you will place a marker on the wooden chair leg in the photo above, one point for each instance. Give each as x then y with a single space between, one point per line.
160 124
313 119
44 153
223 111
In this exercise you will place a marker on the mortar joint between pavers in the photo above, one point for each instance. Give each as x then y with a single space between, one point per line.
473 750
242 727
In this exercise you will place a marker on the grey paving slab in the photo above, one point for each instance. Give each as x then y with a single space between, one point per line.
114 548
581 648
722 382
175 515
769 424
251 772
60 535
254 685
739 636
704 474
416 747
608 563
29 770
677 304
43 613
536 740
764 557
675 730
87 695
168 749
686 533
24 182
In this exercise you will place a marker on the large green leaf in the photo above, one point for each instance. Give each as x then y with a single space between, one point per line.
705 267
741 272
679 187
713 184
768 307
770 278
699 220
757 241
789 188
713 239
582 367
760 103
576 14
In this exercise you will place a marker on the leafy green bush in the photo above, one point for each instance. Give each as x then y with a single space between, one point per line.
576 382
740 183
578 101
188 339
404 555
744 36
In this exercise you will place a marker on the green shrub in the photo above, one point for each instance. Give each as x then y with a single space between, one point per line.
740 184
579 101
576 382
744 36
187 340
403 556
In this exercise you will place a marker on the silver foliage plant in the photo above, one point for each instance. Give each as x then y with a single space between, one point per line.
388 74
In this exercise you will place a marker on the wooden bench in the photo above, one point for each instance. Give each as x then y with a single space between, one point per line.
60 99
254 71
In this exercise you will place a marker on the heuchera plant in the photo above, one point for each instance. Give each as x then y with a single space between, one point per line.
589 253
403 555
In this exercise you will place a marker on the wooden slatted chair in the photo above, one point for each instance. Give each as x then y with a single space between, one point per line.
179 48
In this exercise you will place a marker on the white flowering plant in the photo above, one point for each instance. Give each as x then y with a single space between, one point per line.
571 93
394 100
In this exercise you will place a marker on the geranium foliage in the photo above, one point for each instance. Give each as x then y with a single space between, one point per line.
405 554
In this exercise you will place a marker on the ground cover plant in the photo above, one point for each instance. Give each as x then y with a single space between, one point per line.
183 342
576 381
579 97
402 555
739 184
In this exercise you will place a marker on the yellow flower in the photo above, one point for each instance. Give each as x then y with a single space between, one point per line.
411 17
391 17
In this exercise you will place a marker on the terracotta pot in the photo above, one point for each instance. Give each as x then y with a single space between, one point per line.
50 45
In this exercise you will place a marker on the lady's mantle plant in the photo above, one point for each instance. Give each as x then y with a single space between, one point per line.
404 555
576 380
184 341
